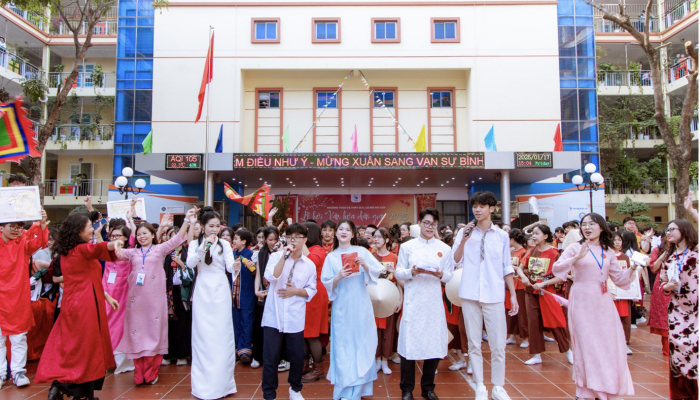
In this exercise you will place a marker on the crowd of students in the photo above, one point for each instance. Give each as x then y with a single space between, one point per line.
212 296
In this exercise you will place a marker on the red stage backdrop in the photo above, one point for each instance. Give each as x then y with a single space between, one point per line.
361 209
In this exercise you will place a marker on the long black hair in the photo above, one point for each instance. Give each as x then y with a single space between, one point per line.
629 241
606 237
313 237
545 231
69 233
205 218
688 233
518 237
353 240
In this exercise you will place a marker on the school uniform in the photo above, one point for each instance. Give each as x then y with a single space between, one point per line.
244 302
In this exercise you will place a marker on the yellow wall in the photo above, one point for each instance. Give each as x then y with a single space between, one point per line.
102 166
655 212
108 64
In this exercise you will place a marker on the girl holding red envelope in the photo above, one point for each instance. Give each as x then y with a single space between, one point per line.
543 312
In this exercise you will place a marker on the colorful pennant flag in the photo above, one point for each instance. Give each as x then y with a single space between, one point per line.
206 77
147 143
420 145
16 135
490 140
558 146
259 201
353 138
285 139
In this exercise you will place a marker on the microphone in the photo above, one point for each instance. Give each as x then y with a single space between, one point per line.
468 231
287 254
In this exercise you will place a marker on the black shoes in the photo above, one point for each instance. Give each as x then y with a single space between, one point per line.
55 394
406 396
430 395
246 359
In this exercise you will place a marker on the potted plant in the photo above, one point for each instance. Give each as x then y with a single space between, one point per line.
97 76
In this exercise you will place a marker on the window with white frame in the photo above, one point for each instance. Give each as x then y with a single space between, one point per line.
384 30
384 97
326 30
441 98
268 99
266 30
326 100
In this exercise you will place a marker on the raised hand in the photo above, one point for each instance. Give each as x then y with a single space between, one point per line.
44 222
167 220
584 250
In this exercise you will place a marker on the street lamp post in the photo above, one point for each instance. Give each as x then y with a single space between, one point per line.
593 182
123 183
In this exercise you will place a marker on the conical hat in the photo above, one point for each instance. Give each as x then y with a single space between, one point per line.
452 288
415 230
385 297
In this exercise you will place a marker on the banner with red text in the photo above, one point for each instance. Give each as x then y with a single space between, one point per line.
362 209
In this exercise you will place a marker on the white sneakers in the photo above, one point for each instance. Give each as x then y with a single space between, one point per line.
457 366
254 364
153 382
629 351
484 337
633 326
385 368
511 340
21 380
165 362
498 393
284 366
536 359
481 393
295 395
524 344
396 359
378 364
181 361
570 356
547 339
469 369
641 320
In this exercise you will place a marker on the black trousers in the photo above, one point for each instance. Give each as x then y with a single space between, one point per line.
275 343
408 374
258 333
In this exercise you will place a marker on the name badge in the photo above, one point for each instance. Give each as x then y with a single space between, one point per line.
604 286
140 278
112 277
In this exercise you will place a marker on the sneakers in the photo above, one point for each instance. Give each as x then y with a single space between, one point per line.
457 366
284 366
396 359
524 344
469 370
295 395
498 393
484 337
629 351
641 320
536 359
570 356
385 368
633 326
481 393
181 361
547 339
165 362
378 364
511 340
21 380
246 359
254 364
153 382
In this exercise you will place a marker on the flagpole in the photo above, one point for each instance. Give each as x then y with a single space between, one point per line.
208 201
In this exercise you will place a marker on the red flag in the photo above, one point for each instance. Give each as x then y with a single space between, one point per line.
206 78
557 139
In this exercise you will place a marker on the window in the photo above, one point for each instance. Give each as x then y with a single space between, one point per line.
386 30
265 30
387 97
445 30
326 30
326 100
441 99
269 100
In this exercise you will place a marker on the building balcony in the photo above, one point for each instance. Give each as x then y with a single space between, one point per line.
72 193
613 83
652 192
84 84
14 67
633 10
676 12
56 26
77 139
677 73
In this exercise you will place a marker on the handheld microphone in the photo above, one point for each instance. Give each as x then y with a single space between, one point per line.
287 254
468 231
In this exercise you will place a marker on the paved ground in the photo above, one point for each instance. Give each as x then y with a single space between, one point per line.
549 380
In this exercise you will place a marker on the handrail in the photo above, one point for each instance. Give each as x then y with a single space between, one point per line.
16 64
70 187
655 186
624 78
83 132
679 69
34 18
83 80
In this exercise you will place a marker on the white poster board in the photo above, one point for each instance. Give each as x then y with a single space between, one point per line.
19 204
633 293
118 209
577 212
546 212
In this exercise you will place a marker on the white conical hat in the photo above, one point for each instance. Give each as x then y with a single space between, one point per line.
415 230
452 288
385 297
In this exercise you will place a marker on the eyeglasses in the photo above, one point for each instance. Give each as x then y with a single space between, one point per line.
427 224
295 238
591 225
15 227
670 230
116 236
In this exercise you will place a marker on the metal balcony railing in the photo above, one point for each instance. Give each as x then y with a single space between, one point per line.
85 187
676 12
632 10
639 132
624 78
679 69
84 80
16 64
35 18
605 26
658 186
83 132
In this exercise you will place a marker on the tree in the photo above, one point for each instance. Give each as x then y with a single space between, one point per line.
90 12
634 209
679 154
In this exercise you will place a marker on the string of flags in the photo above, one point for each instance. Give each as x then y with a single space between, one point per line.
386 109
329 100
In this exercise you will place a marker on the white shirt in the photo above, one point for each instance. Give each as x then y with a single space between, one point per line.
423 333
288 315
483 281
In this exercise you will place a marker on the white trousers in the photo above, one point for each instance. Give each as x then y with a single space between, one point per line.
18 345
493 316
